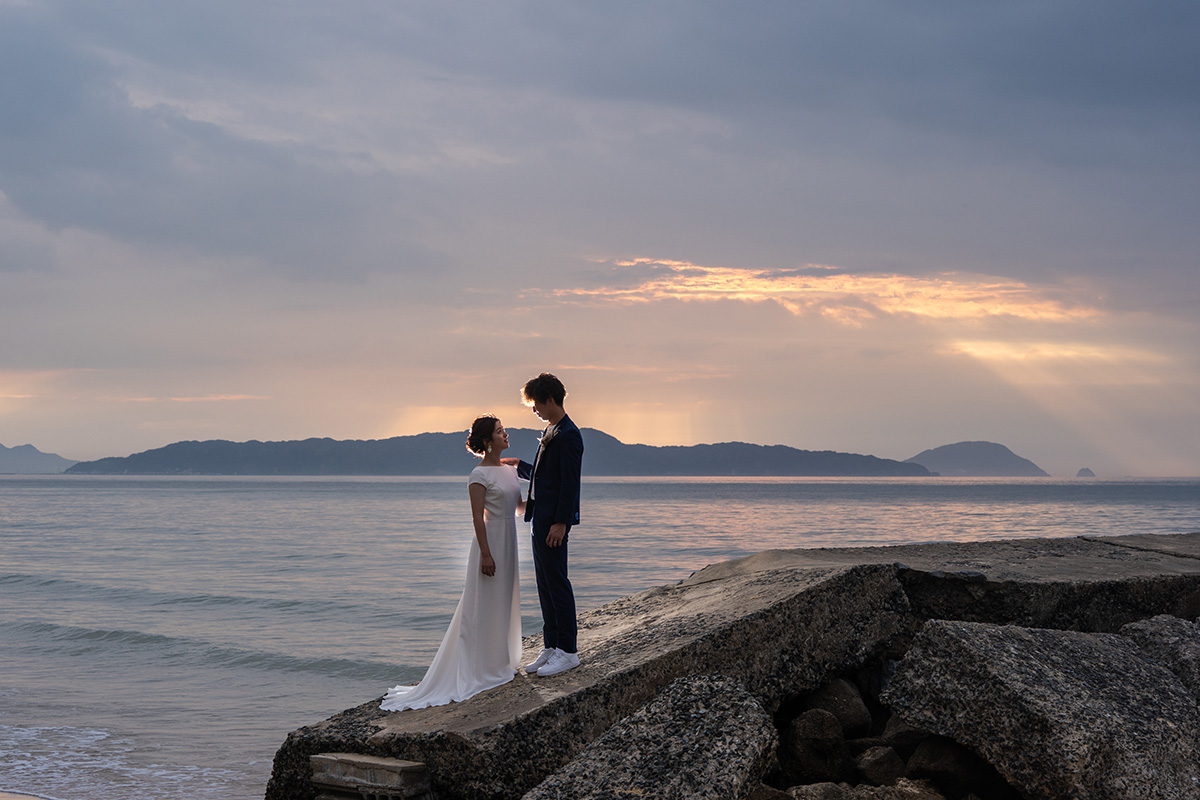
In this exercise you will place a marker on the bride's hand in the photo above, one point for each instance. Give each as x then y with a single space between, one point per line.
487 565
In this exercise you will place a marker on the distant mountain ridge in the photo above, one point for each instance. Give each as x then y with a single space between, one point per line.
445 454
977 460
26 459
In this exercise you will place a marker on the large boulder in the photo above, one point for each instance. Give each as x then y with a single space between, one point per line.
1172 642
700 737
813 748
902 737
841 698
879 766
1058 713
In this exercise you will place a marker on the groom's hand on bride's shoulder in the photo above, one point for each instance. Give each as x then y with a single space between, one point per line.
510 462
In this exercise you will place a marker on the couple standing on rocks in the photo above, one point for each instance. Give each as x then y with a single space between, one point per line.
482 646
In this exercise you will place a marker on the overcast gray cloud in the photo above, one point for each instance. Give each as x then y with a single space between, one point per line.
1070 125
79 152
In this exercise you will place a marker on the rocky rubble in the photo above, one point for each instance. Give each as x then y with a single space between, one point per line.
822 755
985 711
988 671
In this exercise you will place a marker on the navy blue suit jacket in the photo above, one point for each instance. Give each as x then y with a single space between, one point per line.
556 484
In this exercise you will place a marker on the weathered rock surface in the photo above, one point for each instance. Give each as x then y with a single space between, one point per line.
782 623
761 792
778 633
841 698
902 737
1084 583
1058 713
902 790
825 790
350 775
700 737
956 769
1172 642
813 748
879 766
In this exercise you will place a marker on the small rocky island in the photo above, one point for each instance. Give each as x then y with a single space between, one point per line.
26 459
1036 668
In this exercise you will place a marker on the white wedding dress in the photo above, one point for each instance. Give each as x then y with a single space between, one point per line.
482 647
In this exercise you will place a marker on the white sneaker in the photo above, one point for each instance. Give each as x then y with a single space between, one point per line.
541 660
558 662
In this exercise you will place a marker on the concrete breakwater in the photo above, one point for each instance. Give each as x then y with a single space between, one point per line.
1044 666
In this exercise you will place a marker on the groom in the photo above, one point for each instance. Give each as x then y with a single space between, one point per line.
552 508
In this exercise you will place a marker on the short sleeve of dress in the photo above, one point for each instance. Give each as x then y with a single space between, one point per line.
481 476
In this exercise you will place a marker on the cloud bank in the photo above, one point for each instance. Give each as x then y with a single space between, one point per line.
848 225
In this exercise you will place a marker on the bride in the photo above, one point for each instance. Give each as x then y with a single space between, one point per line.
482 647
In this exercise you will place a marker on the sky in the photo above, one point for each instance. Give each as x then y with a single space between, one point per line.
870 227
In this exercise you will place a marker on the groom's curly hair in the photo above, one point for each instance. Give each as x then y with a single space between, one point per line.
481 431
543 388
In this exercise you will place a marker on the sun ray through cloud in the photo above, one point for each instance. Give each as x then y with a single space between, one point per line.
851 299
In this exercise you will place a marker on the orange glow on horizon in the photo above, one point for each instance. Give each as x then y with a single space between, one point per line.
653 423
414 420
219 398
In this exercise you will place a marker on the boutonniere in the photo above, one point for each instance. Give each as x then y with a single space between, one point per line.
548 436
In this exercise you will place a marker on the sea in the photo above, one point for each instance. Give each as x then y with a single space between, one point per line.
160 636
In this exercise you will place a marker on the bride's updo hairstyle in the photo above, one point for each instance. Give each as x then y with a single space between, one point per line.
481 433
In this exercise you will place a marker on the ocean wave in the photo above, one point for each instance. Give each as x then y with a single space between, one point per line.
59 589
89 762
83 641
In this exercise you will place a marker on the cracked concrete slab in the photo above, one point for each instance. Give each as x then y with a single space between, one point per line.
1026 560
1184 545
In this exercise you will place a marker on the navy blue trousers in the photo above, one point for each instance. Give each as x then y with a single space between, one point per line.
557 599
